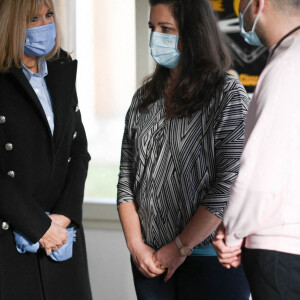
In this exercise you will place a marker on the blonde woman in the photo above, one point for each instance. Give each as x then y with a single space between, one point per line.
43 159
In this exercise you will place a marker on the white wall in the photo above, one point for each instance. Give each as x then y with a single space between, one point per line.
109 265
108 256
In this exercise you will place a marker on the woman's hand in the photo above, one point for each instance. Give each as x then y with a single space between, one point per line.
140 252
61 220
142 257
169 257
54 238
228 256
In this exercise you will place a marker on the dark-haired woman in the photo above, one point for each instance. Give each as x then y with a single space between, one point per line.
181 148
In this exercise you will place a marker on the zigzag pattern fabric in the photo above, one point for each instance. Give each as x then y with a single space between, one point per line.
170 167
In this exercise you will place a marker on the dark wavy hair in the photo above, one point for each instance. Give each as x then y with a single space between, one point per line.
204 60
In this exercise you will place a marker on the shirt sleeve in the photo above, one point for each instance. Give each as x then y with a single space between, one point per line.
258 194
229 133
126 174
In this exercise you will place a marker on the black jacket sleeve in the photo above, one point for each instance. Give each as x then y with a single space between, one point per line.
21 212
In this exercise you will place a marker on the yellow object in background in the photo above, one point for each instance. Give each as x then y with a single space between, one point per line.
248 80
217 5
236 4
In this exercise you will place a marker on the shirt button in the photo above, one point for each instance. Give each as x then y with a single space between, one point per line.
2 119
48 118
5 226
75 134
77 108
11 174
9 146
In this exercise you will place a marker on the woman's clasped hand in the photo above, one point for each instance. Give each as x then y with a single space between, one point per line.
56 235
169 259
154 263
142 256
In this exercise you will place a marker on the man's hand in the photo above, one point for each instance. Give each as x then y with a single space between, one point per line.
228 256
54 238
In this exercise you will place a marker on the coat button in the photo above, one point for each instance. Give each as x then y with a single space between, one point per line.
11 174
69 160
5 226
75 134
77 108
9 146
2 119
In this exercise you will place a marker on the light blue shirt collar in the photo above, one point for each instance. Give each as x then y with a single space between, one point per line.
42 69
37 81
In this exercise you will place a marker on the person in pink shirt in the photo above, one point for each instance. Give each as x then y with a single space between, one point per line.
261 225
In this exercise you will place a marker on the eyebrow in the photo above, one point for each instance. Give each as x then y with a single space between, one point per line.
161 23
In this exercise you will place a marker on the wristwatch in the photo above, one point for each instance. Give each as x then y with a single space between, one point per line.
184 250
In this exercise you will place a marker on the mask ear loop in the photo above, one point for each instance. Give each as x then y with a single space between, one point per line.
241 16
256 20
248 5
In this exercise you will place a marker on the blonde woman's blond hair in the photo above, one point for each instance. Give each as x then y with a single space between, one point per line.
14 18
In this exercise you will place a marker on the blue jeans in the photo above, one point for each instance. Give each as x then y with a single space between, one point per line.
199 277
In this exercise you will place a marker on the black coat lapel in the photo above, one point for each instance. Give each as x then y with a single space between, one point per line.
23 81
61 85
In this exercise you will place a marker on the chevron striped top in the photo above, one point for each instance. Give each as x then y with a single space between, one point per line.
170 167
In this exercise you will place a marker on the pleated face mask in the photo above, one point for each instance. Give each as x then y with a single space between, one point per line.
40 40
250 37
164 49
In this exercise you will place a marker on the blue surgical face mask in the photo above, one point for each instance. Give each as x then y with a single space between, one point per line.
164 49
40 40
250 37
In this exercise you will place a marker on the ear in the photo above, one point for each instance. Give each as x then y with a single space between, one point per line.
258 6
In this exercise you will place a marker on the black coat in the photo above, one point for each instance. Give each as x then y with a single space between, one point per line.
38 173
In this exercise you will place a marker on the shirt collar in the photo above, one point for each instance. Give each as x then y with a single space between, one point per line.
42 69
